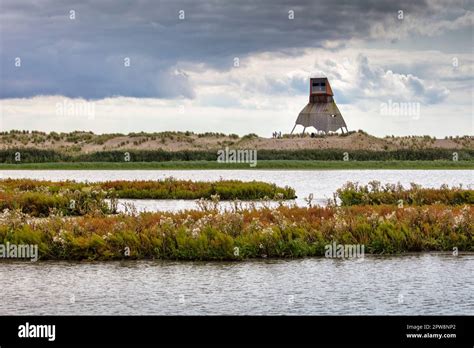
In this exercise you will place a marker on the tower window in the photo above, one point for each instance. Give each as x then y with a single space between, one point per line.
318 87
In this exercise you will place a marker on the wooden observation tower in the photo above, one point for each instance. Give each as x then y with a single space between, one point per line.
321 112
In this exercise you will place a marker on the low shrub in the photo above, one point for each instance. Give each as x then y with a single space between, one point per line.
33 155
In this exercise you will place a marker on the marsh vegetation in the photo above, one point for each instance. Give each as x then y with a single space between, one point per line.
431 220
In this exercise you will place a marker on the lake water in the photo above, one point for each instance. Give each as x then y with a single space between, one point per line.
408 285
321 183
421 284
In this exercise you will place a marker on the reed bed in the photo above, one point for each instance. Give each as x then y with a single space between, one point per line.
41 198
43 203
236 234
375 193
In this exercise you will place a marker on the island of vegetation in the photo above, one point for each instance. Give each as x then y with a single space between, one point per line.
385 219
41 197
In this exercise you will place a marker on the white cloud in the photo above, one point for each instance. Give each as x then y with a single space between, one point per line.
266 81
267 92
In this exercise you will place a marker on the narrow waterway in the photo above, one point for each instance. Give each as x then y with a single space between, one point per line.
321 183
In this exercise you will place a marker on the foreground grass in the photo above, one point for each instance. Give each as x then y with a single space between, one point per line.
285 232
262 164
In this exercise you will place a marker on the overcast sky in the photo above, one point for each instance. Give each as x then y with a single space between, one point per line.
235 67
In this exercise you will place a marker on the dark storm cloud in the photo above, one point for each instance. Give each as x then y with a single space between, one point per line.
85 57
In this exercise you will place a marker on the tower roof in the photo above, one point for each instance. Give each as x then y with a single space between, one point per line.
322 116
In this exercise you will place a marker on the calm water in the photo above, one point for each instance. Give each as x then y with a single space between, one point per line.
414 284
321 183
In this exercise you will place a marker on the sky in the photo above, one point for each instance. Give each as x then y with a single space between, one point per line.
396 67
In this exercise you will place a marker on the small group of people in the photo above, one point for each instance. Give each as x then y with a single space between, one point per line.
276 135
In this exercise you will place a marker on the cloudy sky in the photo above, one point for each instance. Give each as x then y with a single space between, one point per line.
235 67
